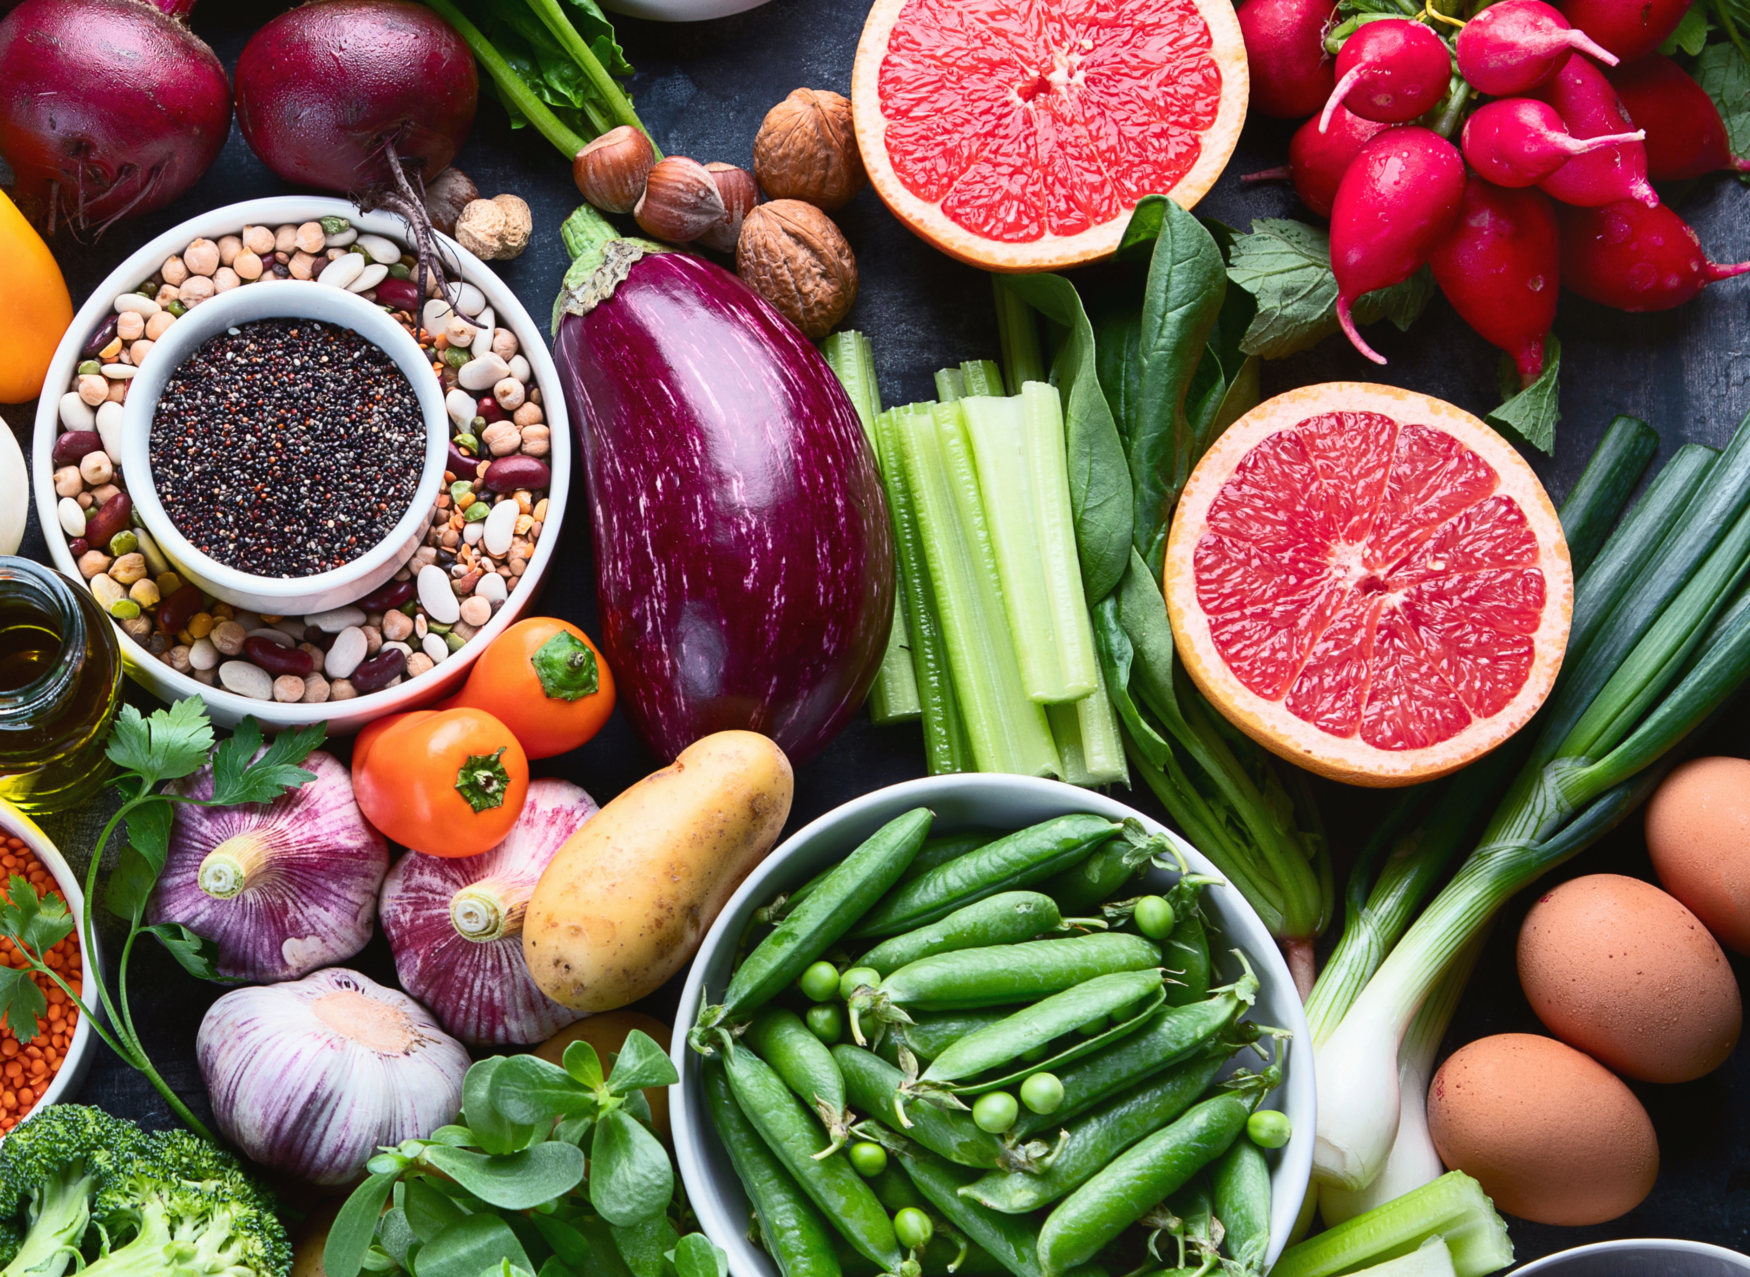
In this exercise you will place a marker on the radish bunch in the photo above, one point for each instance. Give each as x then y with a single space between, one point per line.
1562 119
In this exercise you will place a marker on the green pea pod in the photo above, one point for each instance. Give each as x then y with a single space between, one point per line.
1042 1023
945 847
1010 1241
1186 955
843 897
788 1130
895 1191
1018 860
796 1235
779 1037
974 978
1006 918
941 1252
1134 1182
1193 1209
1171 1035
875 1088
1241 1188
1100 1136
930 1033
1083 887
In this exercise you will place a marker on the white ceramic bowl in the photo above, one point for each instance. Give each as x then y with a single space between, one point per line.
991 801
321 591
77 1062
342 717
681 10
1649 1257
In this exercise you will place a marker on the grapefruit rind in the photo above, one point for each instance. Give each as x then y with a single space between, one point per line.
1350 759
1049 251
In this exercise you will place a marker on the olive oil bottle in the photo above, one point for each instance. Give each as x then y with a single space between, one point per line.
60 686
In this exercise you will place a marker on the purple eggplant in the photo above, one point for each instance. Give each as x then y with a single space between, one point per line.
744 558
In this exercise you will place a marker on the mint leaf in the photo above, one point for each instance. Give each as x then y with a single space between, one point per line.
1403 303
1691 33
21 1003
169 745
1532 413
1726 78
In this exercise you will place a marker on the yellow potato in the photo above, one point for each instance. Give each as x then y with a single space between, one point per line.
625 903
607 1034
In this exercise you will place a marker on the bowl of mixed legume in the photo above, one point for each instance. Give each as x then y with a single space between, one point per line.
52 1064
1085 1028
287 446
484 542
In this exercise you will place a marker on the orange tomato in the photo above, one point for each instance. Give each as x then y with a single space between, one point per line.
36 292
546 681
445 782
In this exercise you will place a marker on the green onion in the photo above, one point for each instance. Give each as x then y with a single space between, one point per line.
1603 488
1453 1208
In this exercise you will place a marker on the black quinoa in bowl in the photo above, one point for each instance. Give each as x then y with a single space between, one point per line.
287 447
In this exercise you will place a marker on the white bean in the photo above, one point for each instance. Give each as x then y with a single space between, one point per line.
436 316
76 414
139 305
380 247
467 299
369 277
72 516
482 373
341 239
117 372
342 270
109 428
435 595
435 647
461 406
482 343
519 368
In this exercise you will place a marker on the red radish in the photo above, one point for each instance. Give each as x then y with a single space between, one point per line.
1317 161
1520 141
346 92
1391 70
1633 257
1590 108
1515 45
1500 267
1685 135
108 108
1395 203
1630 29
1285 50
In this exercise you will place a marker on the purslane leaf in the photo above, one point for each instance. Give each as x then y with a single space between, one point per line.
514 1181
494 1132
641 1063
528 1090
630 1178
349 1237
1531 414
696 1255
471 1246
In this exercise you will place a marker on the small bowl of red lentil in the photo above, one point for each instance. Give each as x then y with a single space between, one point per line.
52 1064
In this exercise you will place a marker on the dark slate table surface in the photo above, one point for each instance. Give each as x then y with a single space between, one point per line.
703 89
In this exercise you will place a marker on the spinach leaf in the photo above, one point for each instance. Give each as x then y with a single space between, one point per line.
1531 414
543 65
1116 339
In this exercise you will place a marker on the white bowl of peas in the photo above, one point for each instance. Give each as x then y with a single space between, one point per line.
1048 981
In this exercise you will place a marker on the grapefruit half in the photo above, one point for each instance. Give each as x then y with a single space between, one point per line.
1018 135
1369 582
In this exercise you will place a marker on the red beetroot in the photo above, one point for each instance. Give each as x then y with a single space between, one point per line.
1500 267
1633 257
1392 70
1317 161
1628 28
1589 108
1520 141
1395 203
108 108
1685 135
1285 50
1515 45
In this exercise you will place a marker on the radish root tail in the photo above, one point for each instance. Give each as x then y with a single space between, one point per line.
1347 319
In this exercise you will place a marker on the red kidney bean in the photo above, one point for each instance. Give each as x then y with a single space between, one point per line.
461 464
102 337
488 408
72 446
110 519
507 474
277 660
378 672
398 294
317 637
384 597
174 612
78 546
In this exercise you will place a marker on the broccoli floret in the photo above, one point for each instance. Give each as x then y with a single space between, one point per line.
51 1168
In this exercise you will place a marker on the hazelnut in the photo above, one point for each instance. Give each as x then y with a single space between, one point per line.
794 257
806 149
446 195
611 171
495 229
740 193
680 201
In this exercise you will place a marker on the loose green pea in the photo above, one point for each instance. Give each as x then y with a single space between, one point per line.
177 309
124 609
913 1228
455 642
461 488
1154 917
470 442
332 225
1268 1128
90 368
1093 1028
456 356
826 1021
123 542
478 424
398 271
820 981
995 1112
476 512
868 1158
856 978
1042 1093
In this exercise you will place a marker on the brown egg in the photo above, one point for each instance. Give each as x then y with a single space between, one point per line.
1619 969
607 1033
1698 834
1552 1135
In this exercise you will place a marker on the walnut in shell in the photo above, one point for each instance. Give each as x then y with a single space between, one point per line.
806 150
793 256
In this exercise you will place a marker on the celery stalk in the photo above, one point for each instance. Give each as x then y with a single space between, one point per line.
950 384
1018 331
982 377
1453 1208
1088 739
1008 732
893 697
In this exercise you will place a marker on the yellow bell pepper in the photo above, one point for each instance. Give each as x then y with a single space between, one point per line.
39 294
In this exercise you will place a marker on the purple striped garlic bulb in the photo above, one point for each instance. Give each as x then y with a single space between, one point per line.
282 888
311 1076
456 925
